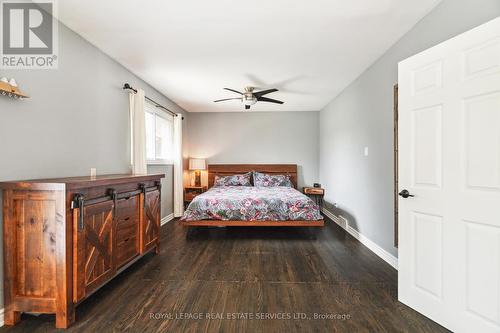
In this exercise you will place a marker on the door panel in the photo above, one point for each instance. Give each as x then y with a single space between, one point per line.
483 59
482 275
449 159
482 142
36 214
150 226
426 146
428 269
427 78
94 244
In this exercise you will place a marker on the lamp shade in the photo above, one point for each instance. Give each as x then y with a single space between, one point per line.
197 164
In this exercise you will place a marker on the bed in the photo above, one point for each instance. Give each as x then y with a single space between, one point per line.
252 205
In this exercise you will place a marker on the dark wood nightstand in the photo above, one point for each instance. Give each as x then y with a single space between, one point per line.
316 193
190 192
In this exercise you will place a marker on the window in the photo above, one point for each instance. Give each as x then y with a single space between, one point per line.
159 136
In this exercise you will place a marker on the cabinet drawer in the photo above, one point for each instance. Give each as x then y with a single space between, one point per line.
128 208
126 249
126 228
190 196
317 191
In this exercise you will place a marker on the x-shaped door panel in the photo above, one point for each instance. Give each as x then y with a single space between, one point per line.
98 241
151 220
94 264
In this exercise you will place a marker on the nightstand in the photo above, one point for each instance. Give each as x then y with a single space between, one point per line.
190 192
316 193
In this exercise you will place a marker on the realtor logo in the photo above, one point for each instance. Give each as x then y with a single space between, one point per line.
29 35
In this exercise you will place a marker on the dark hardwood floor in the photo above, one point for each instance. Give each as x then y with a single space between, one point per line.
274 279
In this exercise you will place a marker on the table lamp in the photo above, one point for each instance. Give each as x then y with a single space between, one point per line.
197 164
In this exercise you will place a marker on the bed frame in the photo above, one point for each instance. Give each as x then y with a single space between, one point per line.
273 169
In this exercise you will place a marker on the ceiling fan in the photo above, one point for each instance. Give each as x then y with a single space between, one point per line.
249 97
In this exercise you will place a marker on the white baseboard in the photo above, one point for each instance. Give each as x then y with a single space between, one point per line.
344 223
167 219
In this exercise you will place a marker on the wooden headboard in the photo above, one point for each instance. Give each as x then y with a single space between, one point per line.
232 169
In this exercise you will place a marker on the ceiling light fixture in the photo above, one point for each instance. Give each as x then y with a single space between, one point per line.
249 97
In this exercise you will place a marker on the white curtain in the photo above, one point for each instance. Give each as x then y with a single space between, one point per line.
178 170
138 133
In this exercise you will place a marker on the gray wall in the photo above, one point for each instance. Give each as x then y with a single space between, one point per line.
362 115
258 137
76 118
167 187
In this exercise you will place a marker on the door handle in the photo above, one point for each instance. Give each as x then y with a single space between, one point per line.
114 196
405 194
78 202
142 186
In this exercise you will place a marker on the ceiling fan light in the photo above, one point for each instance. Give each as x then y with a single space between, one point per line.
249 100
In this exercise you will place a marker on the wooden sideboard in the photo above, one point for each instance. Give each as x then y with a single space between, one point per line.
65 238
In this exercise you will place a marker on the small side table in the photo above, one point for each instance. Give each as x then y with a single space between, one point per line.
315 193
190 192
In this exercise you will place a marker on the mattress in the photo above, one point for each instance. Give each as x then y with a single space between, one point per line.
250 203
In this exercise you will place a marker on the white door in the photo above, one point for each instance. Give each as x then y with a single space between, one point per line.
449 159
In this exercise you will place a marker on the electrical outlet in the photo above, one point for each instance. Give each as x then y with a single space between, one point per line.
93 172
366 151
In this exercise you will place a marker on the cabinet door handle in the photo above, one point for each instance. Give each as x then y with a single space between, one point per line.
79 202
81 222
142 186
114 195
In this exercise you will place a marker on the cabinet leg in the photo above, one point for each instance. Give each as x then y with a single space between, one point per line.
12 317
64 319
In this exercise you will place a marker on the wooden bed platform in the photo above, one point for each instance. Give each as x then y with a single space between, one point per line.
232 169
219 223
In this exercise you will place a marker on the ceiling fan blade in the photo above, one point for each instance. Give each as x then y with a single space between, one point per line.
264 92
226 99
236 91
270 100
247 107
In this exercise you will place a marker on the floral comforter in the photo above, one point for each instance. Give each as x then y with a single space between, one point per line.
249 203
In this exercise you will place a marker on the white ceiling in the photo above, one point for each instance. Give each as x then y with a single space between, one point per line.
189 50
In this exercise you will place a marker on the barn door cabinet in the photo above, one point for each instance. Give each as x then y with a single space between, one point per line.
65 238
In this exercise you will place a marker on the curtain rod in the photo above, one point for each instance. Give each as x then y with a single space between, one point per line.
127 86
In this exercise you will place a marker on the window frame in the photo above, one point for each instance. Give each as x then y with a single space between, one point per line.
152 109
